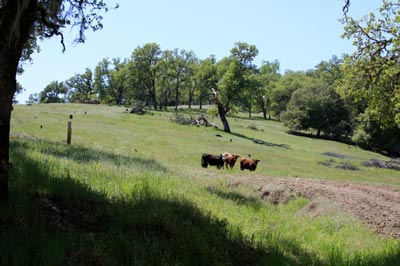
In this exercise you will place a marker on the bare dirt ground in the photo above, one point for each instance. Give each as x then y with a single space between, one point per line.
377 206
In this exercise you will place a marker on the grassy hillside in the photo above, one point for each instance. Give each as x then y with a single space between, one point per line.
179 147
130 191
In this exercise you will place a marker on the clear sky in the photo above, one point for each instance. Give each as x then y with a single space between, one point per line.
297 33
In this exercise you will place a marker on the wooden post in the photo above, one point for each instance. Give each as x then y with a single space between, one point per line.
69 134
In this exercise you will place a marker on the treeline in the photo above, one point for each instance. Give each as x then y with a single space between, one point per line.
326 101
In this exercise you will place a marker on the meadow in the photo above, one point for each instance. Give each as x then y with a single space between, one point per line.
130 190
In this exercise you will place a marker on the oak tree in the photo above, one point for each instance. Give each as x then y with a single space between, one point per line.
81 86
143 69
372 75
55 92
21 23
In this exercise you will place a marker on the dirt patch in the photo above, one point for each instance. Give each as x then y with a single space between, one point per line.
277 194
377 206
319 206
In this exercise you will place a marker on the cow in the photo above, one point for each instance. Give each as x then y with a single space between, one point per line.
215 160
246 163
229 159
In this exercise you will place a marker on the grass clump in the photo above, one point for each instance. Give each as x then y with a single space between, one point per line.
377 163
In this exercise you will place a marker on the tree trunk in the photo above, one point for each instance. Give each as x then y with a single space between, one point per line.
190 100
166 97
16 20
264 111
152 93
154 97
176 98
222 113
5 115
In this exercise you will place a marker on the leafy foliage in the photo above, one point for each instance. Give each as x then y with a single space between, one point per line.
268 77
238 80
81 87
206 77
33 98
289 83
109 81
319 108
143 73
55 92
372 75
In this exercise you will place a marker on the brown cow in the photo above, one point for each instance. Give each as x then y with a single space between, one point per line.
229 159
250 164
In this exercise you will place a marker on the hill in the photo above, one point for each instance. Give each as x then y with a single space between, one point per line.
130 190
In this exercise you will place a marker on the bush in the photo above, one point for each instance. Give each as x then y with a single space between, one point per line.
370 134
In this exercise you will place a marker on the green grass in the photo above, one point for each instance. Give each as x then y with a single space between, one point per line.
130 191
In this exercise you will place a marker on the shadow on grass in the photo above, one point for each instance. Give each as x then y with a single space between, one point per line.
254 118
82 154
323 137
238 198
348 141
258 141
61 221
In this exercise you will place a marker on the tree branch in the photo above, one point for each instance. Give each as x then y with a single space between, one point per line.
345 8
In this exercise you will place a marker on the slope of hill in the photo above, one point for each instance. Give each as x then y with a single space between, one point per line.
131 190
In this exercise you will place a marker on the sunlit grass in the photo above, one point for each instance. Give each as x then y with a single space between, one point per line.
179 147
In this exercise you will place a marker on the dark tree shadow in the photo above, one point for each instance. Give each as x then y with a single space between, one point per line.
81 154
262 142
323 137
348 141
238 198
254 118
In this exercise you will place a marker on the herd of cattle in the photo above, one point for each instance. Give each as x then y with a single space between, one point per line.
226 159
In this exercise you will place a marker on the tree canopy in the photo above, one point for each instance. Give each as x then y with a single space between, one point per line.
372 75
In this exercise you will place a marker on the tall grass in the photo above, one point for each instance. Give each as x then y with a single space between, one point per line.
57 217
100 202
74 209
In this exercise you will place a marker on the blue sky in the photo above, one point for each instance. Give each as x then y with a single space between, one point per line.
297 33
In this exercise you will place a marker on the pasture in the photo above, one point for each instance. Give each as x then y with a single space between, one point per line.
130 190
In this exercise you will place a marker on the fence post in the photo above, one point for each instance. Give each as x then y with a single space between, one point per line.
69 134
